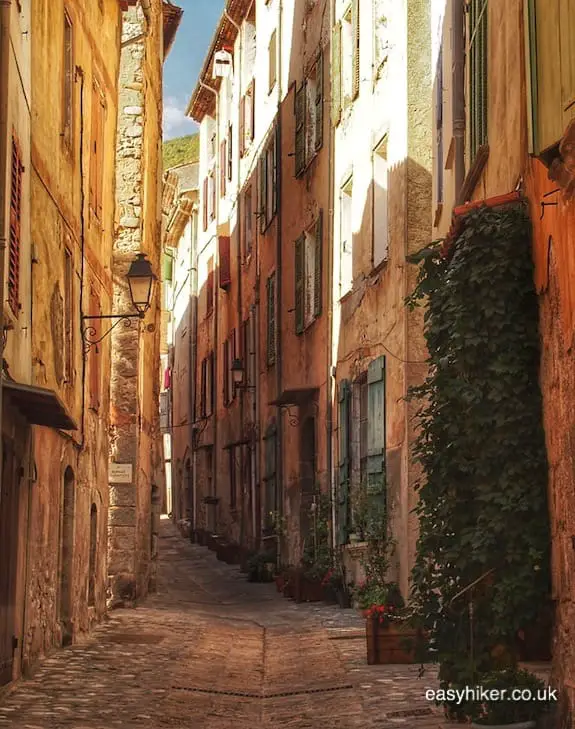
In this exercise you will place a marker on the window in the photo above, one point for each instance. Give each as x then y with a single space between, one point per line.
271 331
346 239
268 179
233 477
380 230
223 167
477 54
308 109
97 156
211 196
272 61
207 386
205 203
68 82
229 354
230 152
308 276
68 315
248 222
225 261
439 130
349 62
210 287
15 219
247 118
380 38
249 46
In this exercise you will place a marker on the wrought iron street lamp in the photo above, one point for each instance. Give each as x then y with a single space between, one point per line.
141 281
238 376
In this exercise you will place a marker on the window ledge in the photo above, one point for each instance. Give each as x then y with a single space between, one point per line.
355 548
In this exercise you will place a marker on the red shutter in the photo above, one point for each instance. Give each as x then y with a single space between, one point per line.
225 262
210 287
205 204
15 215
230 151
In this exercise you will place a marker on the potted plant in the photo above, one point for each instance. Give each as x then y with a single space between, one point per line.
498 709
260 567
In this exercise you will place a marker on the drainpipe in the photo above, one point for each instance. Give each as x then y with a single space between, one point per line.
330 379
5 7
216 297
193 324
279 424
458 93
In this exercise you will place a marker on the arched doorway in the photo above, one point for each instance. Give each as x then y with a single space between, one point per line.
67 556
93 553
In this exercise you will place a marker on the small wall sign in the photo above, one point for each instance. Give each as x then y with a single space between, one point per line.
120 473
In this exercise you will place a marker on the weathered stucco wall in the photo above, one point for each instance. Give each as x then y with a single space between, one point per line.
135 374
60 570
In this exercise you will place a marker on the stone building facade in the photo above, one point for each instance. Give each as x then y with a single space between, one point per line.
275 147
147 31
60 218
522 139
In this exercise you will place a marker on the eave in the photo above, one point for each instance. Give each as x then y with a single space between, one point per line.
172 19
202 101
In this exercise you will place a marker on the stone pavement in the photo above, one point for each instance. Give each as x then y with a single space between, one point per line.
211 651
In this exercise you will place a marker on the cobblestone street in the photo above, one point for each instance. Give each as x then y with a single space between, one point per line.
211 651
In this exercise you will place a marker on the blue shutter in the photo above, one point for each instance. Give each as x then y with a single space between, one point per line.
344 398
376 426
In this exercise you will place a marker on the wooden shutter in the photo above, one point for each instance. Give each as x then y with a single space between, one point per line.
262 191
226 363
203 388
211 372
271 306
319 101
477 54
567 28
317 284
376 425
299 110
344 399
230 151
250 111
270 439
15 230
210 287
233 477
356 44
275 171
242 140
94 147
299 283
225 262
213 196
232 355
336 74
205 204
95 310
272 61
223 167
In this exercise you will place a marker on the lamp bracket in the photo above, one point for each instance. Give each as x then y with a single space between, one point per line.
89 332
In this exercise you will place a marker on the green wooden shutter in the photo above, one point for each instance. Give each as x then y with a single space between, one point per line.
355 36
299 110
376 426
271 339
344 398
299 283
336 75
168 267
477 75
319 101
262 203
317 284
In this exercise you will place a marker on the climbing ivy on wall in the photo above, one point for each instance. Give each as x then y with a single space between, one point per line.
482 500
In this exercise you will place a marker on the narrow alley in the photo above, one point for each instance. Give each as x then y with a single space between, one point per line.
210 650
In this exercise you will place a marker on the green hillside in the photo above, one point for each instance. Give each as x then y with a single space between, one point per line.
181 150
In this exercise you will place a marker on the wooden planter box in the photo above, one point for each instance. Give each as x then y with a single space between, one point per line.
308 591
394 644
